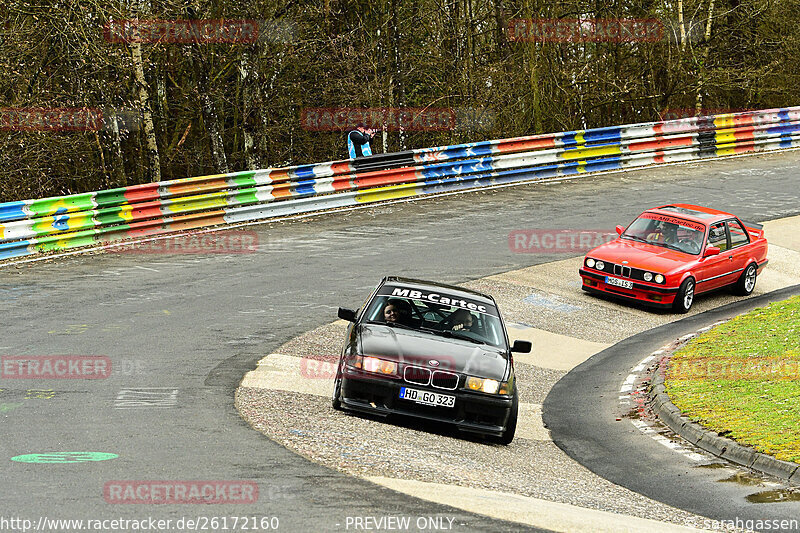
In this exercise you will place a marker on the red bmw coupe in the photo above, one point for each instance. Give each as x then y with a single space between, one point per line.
670 253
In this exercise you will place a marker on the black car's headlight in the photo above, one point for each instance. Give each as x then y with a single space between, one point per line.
374 365
489 386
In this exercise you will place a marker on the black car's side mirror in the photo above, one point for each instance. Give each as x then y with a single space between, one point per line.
521 347
347 314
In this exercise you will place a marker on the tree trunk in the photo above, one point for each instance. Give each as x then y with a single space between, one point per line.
702 70
245 72
151 145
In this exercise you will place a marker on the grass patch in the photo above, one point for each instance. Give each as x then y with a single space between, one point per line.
742 379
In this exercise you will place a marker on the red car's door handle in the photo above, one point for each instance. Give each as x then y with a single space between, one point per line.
730 258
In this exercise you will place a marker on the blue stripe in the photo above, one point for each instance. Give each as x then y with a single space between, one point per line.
304 171
305 187
14 249
12 211
613 134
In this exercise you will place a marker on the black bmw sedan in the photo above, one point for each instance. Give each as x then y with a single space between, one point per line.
432 351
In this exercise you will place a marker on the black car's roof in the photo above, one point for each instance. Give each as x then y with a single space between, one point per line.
455 291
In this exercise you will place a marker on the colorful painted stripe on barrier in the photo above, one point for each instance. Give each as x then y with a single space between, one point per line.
33 226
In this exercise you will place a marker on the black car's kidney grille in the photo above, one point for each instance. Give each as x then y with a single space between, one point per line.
444 380
417 375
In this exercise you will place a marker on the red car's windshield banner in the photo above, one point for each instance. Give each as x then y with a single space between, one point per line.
673 220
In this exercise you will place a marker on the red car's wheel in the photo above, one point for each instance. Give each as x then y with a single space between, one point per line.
685 297
747 281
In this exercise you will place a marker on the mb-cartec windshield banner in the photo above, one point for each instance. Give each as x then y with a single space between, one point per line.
437 298
673 220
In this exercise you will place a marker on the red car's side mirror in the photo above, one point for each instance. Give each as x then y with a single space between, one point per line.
711 250
620 229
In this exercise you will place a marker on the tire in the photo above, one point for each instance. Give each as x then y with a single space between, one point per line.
511 424
336 403
747 281
685 297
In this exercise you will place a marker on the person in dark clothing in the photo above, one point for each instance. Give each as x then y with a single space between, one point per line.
358 141
397 311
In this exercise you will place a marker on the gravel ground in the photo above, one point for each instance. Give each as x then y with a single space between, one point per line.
365 446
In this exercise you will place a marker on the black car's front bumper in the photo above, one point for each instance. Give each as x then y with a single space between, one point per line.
472 412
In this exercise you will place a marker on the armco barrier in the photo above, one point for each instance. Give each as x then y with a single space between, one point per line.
32 226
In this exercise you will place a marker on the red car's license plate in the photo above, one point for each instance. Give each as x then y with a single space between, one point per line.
624 283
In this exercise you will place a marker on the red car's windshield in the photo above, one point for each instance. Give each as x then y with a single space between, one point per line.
668 232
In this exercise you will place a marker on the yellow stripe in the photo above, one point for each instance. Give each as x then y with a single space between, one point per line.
388 193
725 138
125 213
723 121
579 137
201 201
591 152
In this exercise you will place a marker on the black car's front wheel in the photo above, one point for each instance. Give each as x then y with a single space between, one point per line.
336 402
511 423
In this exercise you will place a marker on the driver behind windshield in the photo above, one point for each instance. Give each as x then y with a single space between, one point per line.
664 233
461 320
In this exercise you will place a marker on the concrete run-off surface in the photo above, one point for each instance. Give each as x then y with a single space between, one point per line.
288 398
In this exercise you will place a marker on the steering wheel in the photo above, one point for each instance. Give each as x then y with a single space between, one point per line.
690 246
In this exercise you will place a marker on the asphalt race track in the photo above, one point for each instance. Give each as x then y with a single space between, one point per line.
585 427
186 328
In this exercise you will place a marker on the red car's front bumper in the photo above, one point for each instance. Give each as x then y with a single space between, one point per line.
647 294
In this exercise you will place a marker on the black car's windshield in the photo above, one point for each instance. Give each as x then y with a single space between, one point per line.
437 313
668 232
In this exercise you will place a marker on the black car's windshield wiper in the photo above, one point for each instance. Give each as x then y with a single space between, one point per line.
457 335
391 324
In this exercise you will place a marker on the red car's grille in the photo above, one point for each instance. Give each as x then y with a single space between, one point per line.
622 270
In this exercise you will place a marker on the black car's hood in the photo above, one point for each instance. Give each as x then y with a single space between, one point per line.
420 348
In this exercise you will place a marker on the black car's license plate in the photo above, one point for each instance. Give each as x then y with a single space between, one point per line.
427 397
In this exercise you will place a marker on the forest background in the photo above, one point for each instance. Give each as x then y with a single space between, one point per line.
464 70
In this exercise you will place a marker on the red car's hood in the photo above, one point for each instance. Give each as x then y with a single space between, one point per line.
641 255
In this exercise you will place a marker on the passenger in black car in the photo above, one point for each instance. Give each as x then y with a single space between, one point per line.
397 310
